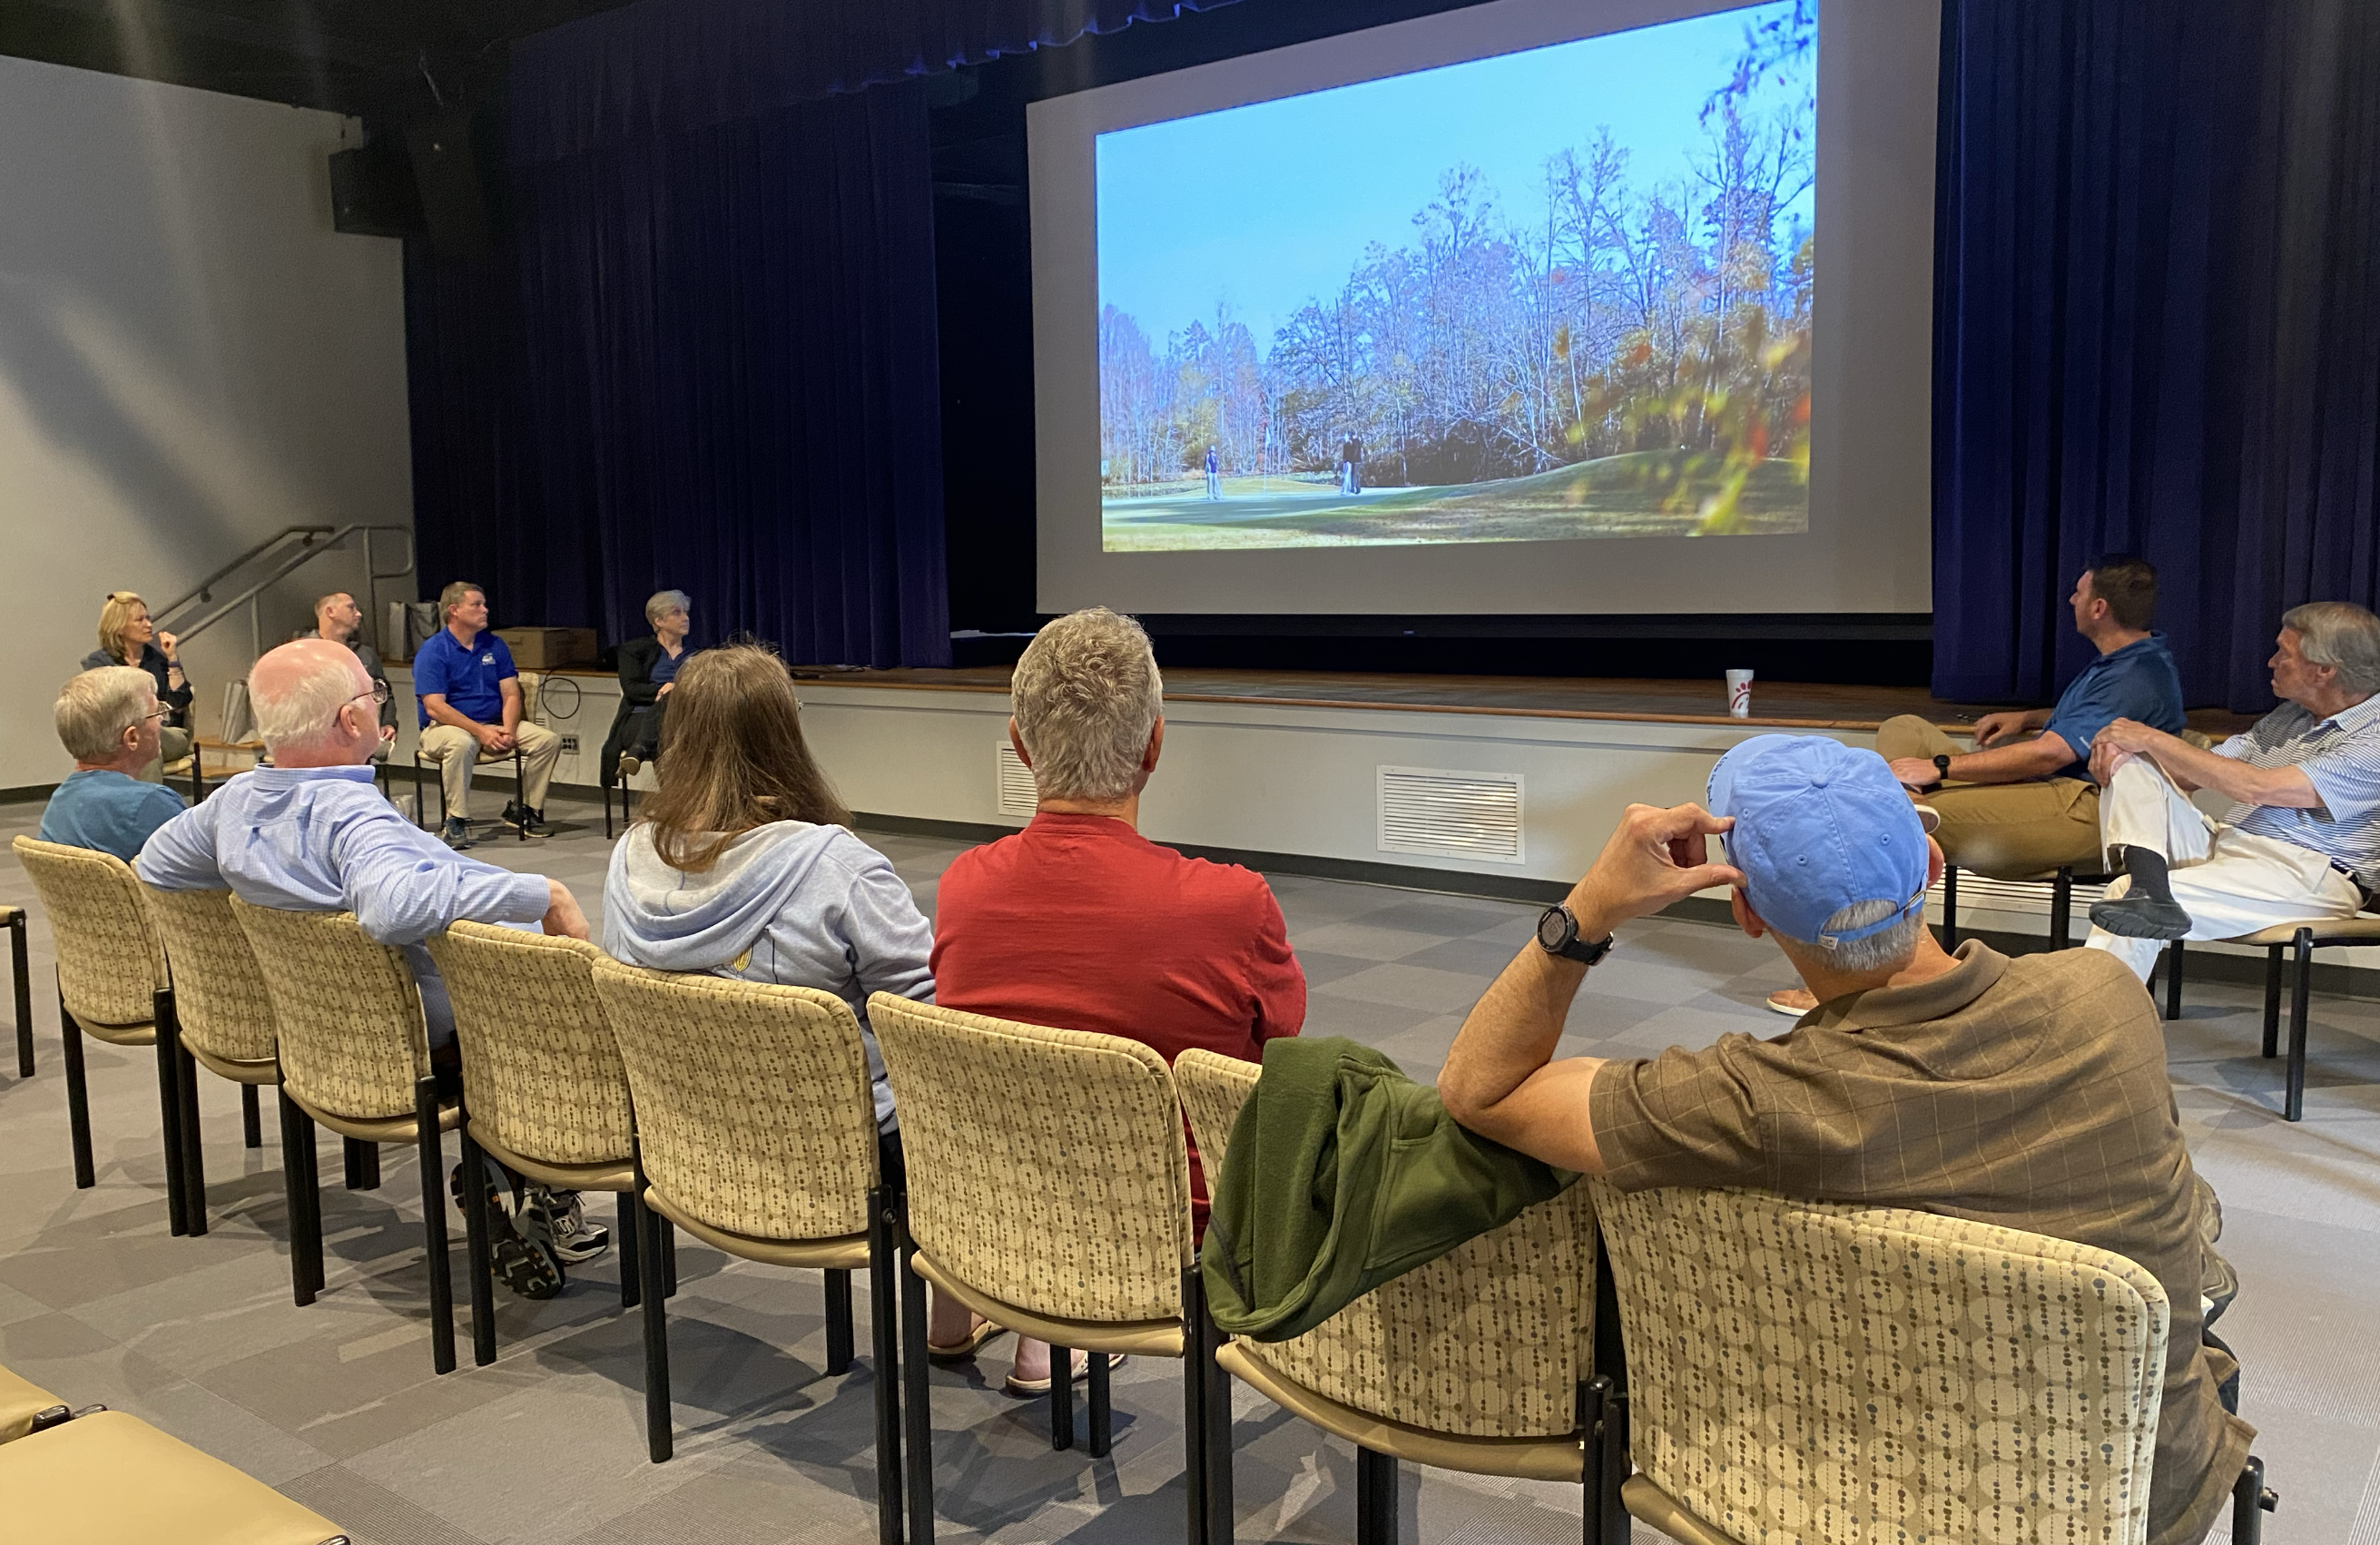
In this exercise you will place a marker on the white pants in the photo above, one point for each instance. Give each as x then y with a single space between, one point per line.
2229 881
454 752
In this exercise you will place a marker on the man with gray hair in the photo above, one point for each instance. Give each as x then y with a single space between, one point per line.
311 833
2031 1092
2301 840
108 720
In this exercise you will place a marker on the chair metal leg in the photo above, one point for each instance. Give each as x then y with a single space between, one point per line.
1061 1397
917 1405
1601 1419
1207 1420
2061 908
838 1322
668 1232
607 809
361 1162
884 1330
632 1253
2272 1002
169 1107
251 1117
1376 1498
78 1099
21 975
652 1292
2293 1106
2250 1499
476 1251
1949 906
1103 1433
433 1224
296 1131
194 1162
2173 971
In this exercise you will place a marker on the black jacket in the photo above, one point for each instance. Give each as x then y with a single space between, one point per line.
638 689
153 659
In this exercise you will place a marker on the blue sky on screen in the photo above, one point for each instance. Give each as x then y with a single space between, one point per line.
1269 204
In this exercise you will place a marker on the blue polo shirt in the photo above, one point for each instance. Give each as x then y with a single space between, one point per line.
469 677
2138 681
101 808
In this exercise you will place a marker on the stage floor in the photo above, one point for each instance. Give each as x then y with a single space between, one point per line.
1778 705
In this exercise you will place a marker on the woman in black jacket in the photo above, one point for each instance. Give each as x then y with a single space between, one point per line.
649 668
126 637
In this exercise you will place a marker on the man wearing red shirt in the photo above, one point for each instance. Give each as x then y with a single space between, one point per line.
1080 922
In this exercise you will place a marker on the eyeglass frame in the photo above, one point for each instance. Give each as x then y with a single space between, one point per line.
381 694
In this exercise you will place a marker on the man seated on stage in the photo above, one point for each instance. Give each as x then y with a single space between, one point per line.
339 619
311 833
2025 802
470 701
2031 1092
109 721
1080 922
2301 840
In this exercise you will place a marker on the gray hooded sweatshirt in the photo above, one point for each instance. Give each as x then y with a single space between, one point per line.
789 902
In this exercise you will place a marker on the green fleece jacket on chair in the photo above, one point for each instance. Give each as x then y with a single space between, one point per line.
1342 1173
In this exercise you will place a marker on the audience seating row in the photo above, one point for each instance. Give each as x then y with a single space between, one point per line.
1042 1179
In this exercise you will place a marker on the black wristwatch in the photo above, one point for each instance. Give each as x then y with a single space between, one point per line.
1941 768
1557 934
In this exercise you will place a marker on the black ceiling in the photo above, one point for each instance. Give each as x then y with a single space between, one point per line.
396 59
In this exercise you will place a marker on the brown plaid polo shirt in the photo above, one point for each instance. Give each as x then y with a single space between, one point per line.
2030 1093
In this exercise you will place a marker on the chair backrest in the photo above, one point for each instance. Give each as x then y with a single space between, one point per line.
353 1042
110 963
219 996
1809 1372
540 1069
1491 1340
753 1106
1046 1168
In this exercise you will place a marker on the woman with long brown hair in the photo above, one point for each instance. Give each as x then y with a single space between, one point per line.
743 864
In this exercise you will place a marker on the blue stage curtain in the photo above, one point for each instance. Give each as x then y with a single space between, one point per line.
2156 245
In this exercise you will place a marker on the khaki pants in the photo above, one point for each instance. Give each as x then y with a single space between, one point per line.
455 753
2005 831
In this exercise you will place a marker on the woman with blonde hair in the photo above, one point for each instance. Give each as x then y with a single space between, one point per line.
126 637
743 865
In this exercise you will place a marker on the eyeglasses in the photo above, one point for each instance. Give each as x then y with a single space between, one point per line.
379 695
153 713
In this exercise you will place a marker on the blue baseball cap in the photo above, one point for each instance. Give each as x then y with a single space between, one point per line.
1819 826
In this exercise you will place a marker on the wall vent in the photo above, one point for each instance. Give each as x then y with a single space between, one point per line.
1456 815
1013 782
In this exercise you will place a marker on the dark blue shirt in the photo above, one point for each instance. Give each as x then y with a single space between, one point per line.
666 668
471 678
101 808
2137 681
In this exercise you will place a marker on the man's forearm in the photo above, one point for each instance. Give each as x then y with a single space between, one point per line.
1511 1030
2282 787
2036 757
441 713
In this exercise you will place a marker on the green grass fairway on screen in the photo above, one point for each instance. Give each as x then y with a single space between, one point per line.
1559 294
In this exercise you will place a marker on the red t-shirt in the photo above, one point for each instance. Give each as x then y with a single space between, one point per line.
1081 923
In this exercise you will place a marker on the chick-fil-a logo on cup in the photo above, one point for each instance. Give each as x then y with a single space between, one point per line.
1739 694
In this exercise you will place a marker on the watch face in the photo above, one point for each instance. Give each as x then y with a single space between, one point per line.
1554 929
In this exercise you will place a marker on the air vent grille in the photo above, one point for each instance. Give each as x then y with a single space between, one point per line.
1013 782
1462 815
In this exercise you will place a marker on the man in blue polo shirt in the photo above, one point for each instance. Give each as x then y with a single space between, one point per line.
2024 801
470 701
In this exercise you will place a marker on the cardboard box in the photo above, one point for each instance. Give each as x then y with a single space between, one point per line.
544 649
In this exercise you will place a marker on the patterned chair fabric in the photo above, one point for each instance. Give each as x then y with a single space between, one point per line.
540 1069
110 962
353 1043
753 1106
1821 1373
1046 1168
1488 1340
219 996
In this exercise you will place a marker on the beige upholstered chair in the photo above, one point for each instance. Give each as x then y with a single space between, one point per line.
108 1478
112 986
1807 1371
222 1015
543 1090
756 1132
355 1057
1049 1191
1480 1361
20 980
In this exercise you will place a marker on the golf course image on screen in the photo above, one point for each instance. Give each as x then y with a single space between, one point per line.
1553 294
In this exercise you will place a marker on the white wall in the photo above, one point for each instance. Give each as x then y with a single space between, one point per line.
190 359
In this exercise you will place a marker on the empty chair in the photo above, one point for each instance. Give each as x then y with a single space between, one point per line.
2300 939
224 1016
756 1133
1481 1362
113 986
1802 1370
1049 1189
543 1088
355 1057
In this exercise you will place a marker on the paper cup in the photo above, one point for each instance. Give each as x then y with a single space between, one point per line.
1739 694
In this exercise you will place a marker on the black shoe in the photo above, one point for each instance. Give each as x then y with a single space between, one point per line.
518 1254
457 834
2140 918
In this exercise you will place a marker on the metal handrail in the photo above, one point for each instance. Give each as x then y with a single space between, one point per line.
209 583
329 537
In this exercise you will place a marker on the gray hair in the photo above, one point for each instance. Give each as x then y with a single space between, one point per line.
1086 695
665 601
304 709
1886 949
2343 636
95 709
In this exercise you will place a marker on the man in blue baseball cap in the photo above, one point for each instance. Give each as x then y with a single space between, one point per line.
2030 1092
